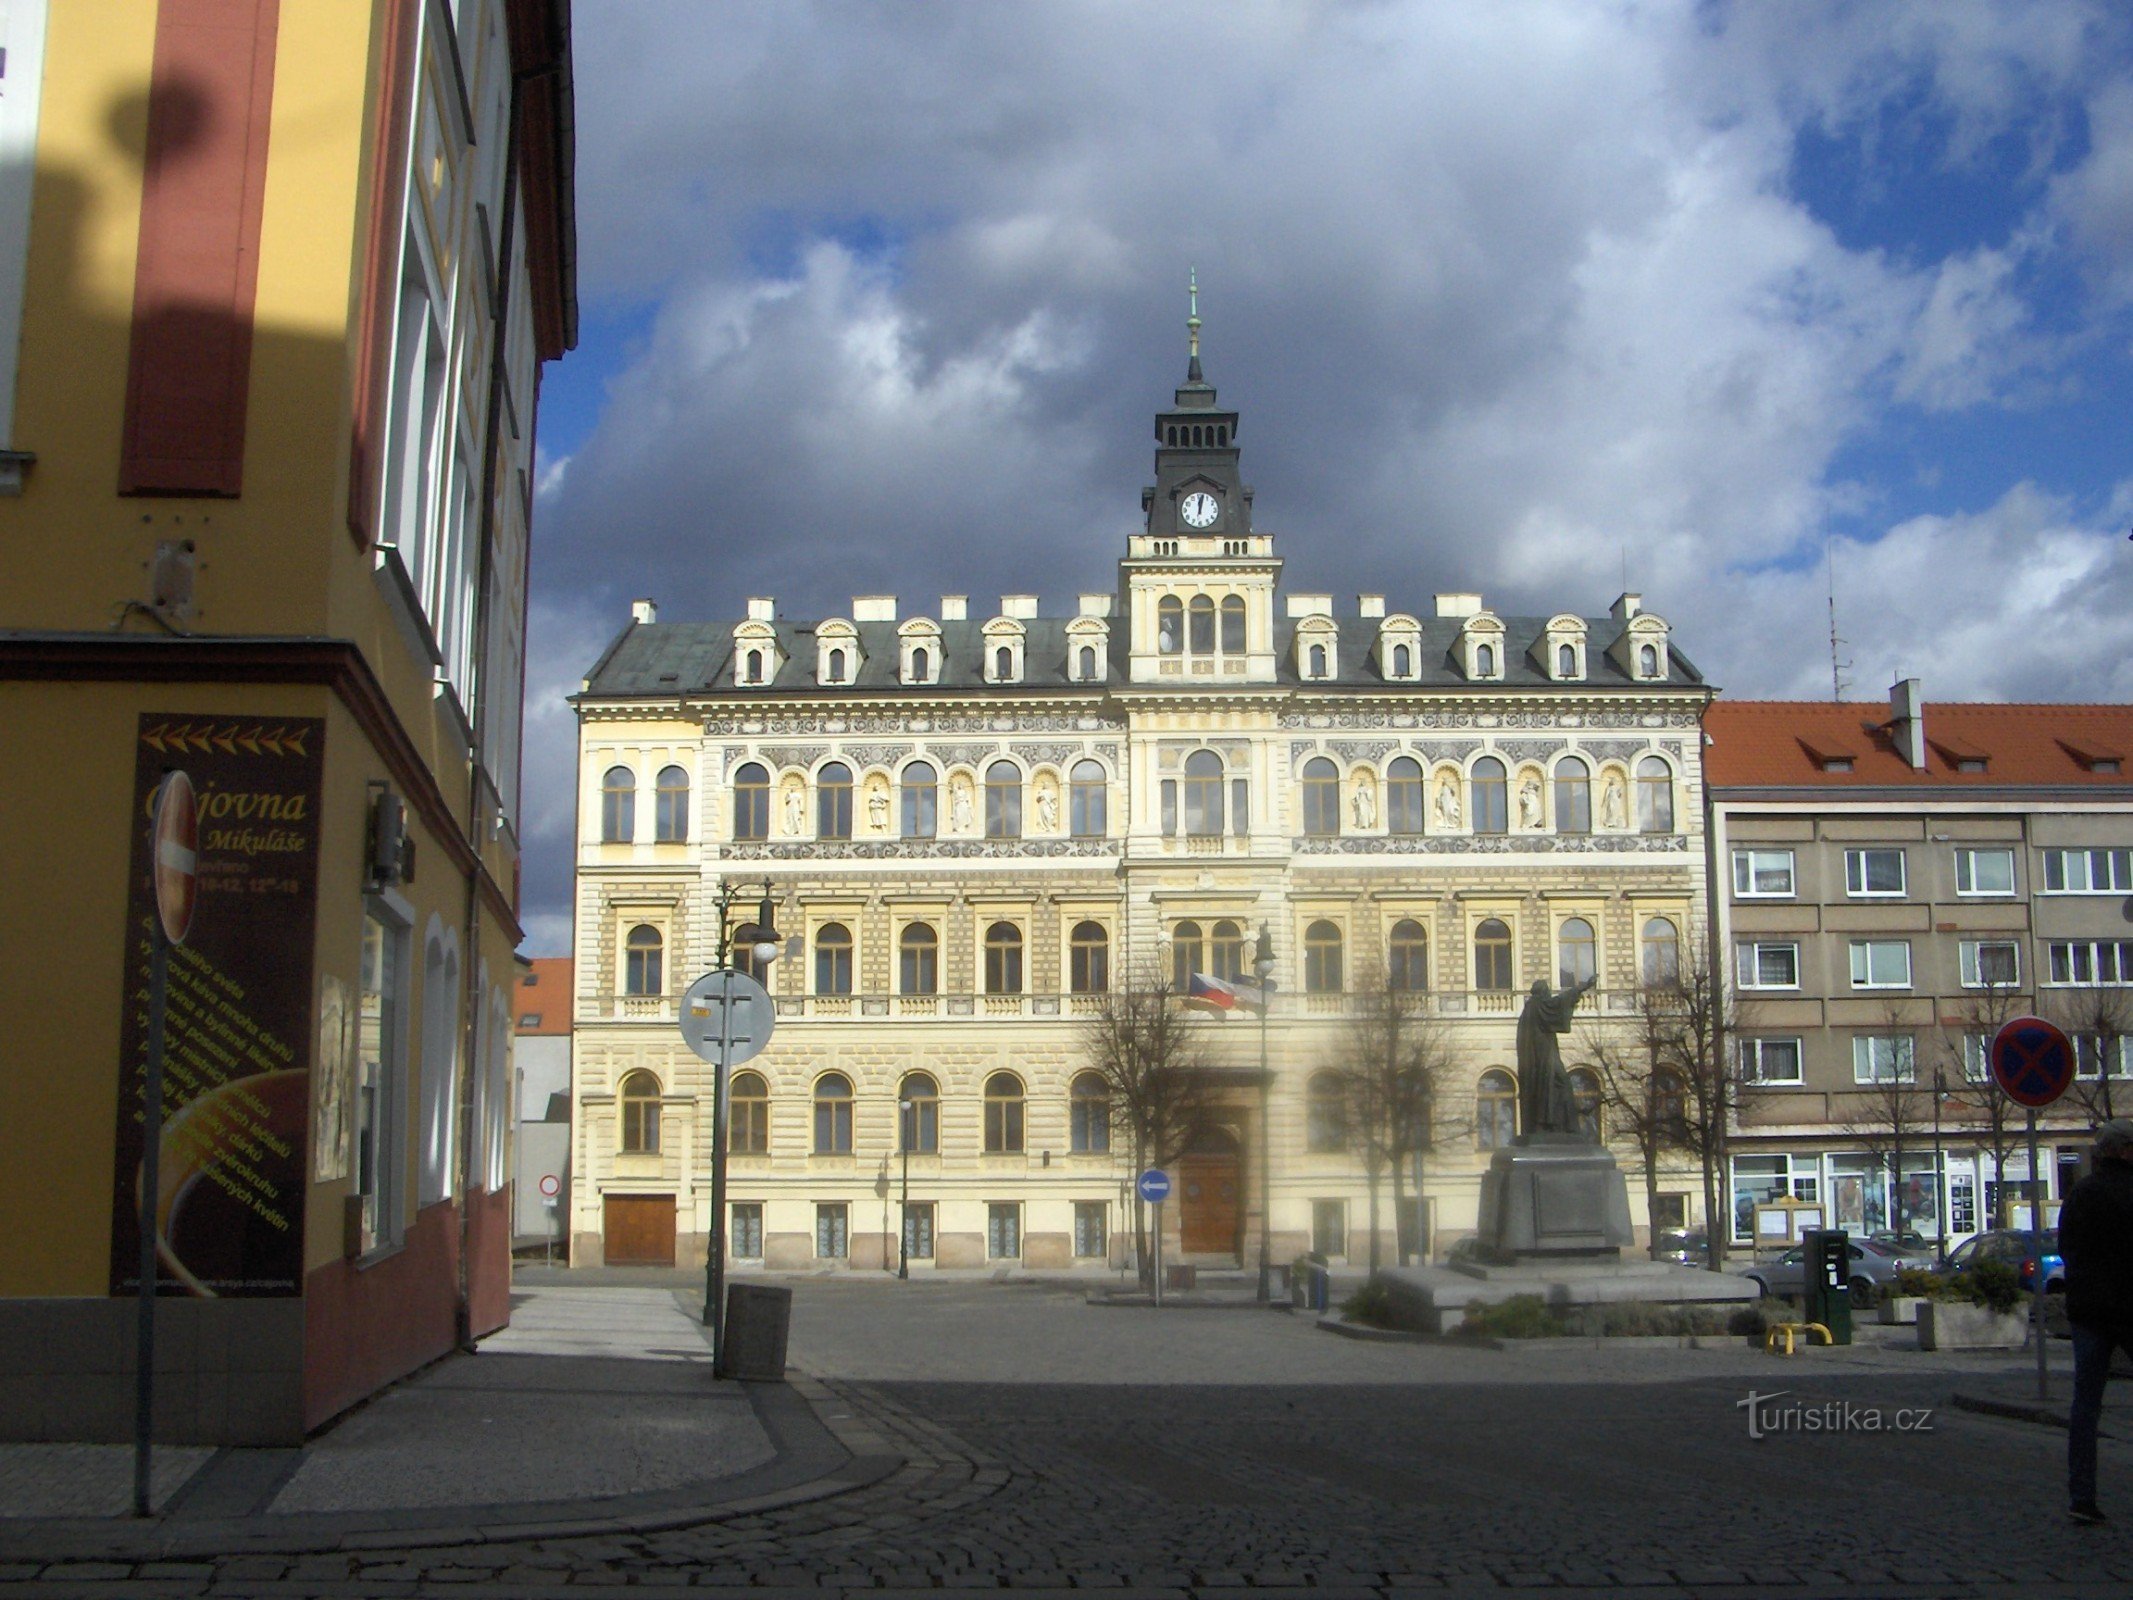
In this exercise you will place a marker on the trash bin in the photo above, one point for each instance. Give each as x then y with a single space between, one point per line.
1180 1275
1310 1284
758 1317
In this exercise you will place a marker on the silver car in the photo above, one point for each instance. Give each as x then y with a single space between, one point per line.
1871 1266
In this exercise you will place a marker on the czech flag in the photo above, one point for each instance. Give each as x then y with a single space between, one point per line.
1220 995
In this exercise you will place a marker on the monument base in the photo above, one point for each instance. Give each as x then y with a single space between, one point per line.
1435 1299
1550 1201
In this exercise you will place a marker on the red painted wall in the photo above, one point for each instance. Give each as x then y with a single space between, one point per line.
489 1262
364 1328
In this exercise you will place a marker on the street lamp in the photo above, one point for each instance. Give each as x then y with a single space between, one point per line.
1940 1180
903 1219
760 939
1263 967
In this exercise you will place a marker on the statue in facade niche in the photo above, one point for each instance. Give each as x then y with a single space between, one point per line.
795 808
1366 805
1547 1105
878 807
1448 801
959 803
1613 812
1047 808
1529 803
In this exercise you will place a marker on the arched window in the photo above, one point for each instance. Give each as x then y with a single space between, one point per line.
1670 1106
833 1115
1495 1110
1188 954
1003 1114
1203 794
1200 625
1322 958
1573 796
1576 951
918 960
618 806
1169 625
922 794
1003 801
755 666
1647 661
1492 810
1585 1095
1318 661
751 801
1003 959
836 666
1089 1103
1225 951
1003 664
748 1115
643 961
1085 663
1492 955
921 664
833 959
1566 661
1403 661
918 1122
1233 625
1655 796
1484 661
1407 958
1089 958
639 1100
670 806
1661 962
1325 1113
1404 799
1085 801
833 802
1321 798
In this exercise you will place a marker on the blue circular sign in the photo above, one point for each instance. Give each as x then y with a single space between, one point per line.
1154 1185
2032 1061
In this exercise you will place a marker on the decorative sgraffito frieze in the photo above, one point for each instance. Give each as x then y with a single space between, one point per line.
1497 844
740 725
1624 750
962 755
915 849
876 755
1351 751
1055 753
1540 750
796 755
1106 751
1447 749
1300 751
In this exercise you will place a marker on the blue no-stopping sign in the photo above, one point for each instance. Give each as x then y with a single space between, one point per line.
1153 1185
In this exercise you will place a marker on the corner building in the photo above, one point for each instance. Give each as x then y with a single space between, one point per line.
973 825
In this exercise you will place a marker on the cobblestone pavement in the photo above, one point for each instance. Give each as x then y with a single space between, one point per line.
1619 1472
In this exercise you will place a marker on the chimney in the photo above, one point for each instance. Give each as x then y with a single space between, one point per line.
1370 605
762 608
1626 605
1458 605
873 608
1023 607
1096 605
643 611
955 608
1907 721
1310 605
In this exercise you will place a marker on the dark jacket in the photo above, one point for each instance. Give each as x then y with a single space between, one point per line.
2096 1238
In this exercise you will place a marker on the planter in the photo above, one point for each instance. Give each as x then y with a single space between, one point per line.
1952 1325
1900 1309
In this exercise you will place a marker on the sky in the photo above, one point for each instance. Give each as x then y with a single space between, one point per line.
1735 305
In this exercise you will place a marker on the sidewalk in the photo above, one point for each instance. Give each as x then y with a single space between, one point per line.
594 1411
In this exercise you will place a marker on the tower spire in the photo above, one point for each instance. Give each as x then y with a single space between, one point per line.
1192 325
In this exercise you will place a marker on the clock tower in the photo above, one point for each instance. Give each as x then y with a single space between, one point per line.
1197 487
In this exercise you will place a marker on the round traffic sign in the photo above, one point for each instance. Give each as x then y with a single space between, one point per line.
174 847
1153 1185
730 1008
2032 1061
551 1185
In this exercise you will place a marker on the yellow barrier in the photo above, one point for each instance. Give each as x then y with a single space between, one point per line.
1789 1330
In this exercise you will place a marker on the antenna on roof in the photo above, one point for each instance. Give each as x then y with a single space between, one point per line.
1837 666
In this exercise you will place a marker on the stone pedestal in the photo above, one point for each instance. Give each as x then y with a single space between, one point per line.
1548 1202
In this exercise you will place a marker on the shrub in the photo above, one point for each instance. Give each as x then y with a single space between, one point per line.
1523 1316
1370 1304
1992 1284
1756 1317
1920 1282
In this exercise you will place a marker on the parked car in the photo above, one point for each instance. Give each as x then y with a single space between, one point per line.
1871 1266
1683 1247
1465 1251
1910 1248
2019 1248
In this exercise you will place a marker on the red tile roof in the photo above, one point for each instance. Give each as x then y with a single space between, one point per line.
543 1004
1763 744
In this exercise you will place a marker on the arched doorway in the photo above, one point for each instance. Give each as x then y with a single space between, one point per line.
1210 1195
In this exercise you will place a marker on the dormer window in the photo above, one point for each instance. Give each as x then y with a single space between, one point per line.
1088 649
755 653
1003 650
836 652
1403 661
1485 661
1566 661
1647 661
1084 664
920 643
1561 650
921 665
1399 648
755 666
1003 664
1481 647
1317 648
1641 650
835 667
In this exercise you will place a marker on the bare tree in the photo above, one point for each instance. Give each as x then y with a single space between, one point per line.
1153 1063
1986 1110
2099 1021
1640 1096
1887 1118
1700 1021
1391 1060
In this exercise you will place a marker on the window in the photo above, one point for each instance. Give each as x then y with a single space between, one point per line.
1084 664
1322 958
1089 958
1770 964
748 1115
833 1115
1003 664
833 959
1407 958
381 1076
1402 661
2088 871
1089 1102
2086 961
1576 951
1873 872
639 1102
747 1230
1403 795
1881 963
1233 625
1760 874
643 966
670 806
2093 1050
1003 1114
921 809
1573 794
1003 801
1318 661
751 801
1492 955
1091 1239
833 1232
1883 1058
1203 794
1585 1095
921 664
1169 625
1990 963
1321 798
1655 795
1188 954
1495 1110
1225 951
833 802
1484 661
1200 625
1325 1113
1491 810
1670 1106
1003 959
1984 872
1566 661
618 806
918 960
1977 1057
1647 661
918 1230
1003 1231
1765 1062
1661 951
918 1121
1329 1227
1085 801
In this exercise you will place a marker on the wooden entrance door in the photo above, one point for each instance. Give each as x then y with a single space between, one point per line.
640 1230
1210 1211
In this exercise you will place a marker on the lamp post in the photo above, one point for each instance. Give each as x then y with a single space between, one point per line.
1940 1180
903 1216
1263 967
760 939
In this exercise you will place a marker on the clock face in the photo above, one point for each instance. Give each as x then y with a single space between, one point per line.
1200 509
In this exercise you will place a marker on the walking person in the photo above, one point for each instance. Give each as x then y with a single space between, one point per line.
2096 1238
